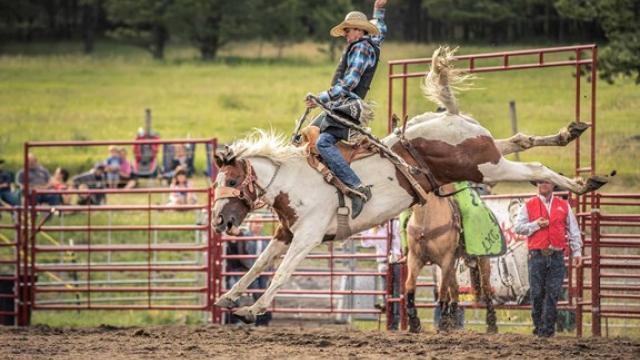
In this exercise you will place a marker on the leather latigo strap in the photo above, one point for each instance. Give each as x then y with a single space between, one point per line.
423 167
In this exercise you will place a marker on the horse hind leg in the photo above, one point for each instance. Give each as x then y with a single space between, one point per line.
522 142
414 265
506 170
484 268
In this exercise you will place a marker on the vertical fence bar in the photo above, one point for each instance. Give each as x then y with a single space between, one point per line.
23 281
31 274
595 267
149 250
89 255
390 99
404 90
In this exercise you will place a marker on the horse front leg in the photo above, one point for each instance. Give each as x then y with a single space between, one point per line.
301 245
275 248
454 299
506 170
484 267
414 265
522 142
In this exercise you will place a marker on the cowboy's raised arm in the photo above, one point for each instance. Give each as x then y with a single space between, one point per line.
378 16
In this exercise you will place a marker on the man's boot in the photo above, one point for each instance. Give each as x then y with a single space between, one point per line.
359 196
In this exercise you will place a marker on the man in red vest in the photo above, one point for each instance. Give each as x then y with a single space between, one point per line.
548 222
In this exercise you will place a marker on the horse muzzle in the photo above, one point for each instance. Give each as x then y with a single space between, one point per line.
224 224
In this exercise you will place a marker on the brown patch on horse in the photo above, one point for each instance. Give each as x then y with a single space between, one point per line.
283 234
449 163
282 206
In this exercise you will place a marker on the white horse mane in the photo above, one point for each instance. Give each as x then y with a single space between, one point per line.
267 144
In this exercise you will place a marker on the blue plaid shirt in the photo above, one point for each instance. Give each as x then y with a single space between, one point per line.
360 57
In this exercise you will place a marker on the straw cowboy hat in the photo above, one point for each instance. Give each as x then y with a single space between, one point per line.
354 20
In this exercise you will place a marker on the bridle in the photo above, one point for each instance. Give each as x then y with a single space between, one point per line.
249 192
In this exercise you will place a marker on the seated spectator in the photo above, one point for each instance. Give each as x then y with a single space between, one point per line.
180 160
59 182
112 167
178 182
7 195
92 179
127 177
38 180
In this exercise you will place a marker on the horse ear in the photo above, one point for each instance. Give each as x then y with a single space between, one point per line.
219 160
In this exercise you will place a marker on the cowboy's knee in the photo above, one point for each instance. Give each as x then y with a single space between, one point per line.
325 141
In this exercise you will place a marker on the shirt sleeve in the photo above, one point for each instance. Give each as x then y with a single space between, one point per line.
378 14
522 225
359 58
573 232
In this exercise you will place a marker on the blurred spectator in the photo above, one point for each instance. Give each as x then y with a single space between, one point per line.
392 258
181 160
127 177
92 179
248 247
59 182
112 167
145 155
38 180
7 195
179 182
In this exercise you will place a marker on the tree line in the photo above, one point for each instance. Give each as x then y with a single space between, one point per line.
210 24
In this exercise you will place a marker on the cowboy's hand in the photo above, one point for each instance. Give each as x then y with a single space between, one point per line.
379 4
577 261
542 222
310 103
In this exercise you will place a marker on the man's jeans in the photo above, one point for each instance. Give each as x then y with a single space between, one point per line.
10 197
546 274
327 148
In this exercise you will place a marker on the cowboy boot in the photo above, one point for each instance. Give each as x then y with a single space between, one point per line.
359 196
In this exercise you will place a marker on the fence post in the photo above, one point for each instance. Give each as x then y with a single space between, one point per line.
514 123
595 268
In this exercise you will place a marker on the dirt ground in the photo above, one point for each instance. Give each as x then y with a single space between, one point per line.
214 341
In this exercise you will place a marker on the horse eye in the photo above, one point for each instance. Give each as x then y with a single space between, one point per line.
231 183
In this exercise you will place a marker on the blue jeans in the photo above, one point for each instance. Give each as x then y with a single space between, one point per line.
10 197
546 274
327 148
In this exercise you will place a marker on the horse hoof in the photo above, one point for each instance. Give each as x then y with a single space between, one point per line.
225 302
596 182
414 325
245 315
576 129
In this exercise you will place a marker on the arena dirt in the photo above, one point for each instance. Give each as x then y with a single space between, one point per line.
213 341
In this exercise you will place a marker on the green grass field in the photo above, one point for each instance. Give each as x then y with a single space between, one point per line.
53 92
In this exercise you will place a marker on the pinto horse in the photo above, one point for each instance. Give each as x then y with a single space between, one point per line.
433 234
265 169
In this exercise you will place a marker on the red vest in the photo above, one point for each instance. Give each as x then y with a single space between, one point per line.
553 235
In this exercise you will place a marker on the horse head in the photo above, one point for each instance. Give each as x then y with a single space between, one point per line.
235 191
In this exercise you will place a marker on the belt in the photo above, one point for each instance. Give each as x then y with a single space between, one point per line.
546 252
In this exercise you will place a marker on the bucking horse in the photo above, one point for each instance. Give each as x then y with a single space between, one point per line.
265 169
434 236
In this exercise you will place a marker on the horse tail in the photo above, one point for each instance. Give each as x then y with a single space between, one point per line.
442 81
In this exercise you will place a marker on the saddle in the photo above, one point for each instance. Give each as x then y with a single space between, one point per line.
355 149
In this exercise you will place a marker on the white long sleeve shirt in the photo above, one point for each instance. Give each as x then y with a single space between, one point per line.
524 227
